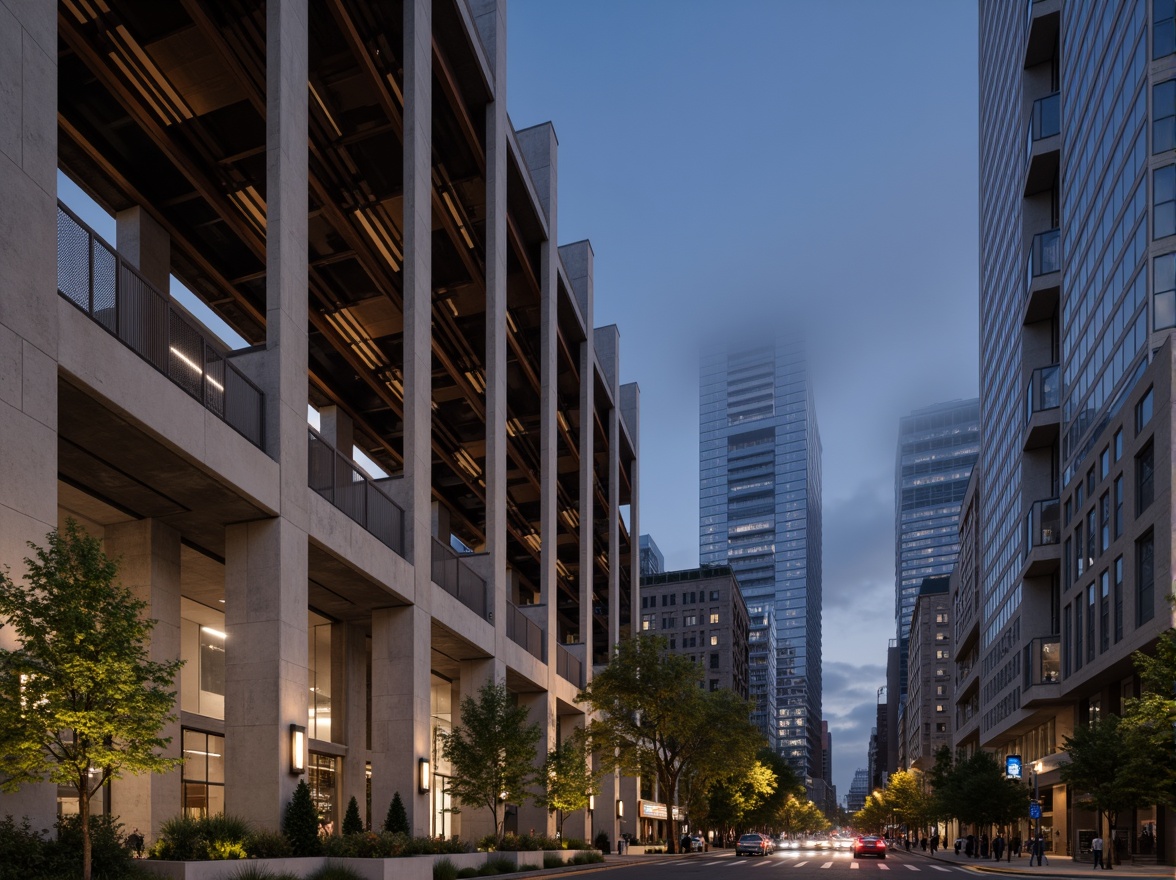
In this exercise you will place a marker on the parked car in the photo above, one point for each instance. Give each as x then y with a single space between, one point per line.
696 844
752 845
869 846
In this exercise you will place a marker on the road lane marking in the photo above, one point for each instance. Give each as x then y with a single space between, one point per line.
827 865
854 865
882 867
910 867
802 864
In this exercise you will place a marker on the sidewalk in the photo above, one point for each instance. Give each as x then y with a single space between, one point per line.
1061 866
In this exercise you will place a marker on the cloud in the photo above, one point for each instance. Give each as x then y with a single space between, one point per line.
850 706
859 548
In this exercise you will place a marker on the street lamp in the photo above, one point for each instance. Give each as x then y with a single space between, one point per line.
1036 808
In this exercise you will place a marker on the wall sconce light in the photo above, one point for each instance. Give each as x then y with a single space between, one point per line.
620 809
297 749
424 775
591 802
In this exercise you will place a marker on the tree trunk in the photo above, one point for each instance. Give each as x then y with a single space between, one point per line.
84 815
1109 851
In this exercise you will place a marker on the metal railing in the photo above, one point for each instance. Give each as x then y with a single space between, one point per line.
94 277
521 630
1043 392
1043 661
1043 524
1045 256
456 578
568 666
336 478
1045 121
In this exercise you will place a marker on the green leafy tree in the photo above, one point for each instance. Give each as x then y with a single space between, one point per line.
732 802
300 823
81 702
975 791
396 822
908 801
567 778
492 751
874 815
766 813
653 719
800 815
1114 768
352 824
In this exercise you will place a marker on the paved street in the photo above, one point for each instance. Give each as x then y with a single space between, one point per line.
795 864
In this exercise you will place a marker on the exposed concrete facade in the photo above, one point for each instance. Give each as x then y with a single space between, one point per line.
421 307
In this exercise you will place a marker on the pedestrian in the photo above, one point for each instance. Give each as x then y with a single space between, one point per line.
983 846
957 846
970 845
906 842
1096 849
923 843
1038 849
1016 846
135 841
997 847
934 841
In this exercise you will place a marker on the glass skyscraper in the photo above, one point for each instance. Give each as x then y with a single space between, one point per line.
760 470
937 448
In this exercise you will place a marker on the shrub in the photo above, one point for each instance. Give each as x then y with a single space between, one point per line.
444 869
522 868
22 850
226 850
396 822
575 843
467 872
110 856
300 824
335 872
601 841
352 824
225 828
256 872
181 839
264 844
551 860
587 857
497 866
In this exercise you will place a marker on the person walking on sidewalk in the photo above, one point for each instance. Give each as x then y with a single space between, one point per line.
1096 849
998 846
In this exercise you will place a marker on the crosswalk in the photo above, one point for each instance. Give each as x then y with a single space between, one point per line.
795 861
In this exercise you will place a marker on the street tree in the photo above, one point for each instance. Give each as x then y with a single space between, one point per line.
653 719
1114 768
874 815
492 752
733 802
567 778
908 800
798 815
975 791
765 814
81 702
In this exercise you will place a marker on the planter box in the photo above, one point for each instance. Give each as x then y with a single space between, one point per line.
408 868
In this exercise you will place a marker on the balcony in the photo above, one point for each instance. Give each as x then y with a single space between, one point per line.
1043 530
336 478
521 630
455 577
568 666
1043 275
1042 671
94 277
1041 407
1042 31
1043 143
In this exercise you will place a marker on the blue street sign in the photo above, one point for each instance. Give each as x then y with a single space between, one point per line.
1034 810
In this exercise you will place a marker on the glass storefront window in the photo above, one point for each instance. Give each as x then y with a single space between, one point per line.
202 647
203 779
318 724
322 777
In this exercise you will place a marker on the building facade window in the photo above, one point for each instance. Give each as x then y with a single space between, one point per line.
322 777
1104 611
1144 579
1119 506
1090 614
1164 116
1164 296
1118 444
1143 411
1144 478
1163 32
202 781
1164 197
1118 599
1104 526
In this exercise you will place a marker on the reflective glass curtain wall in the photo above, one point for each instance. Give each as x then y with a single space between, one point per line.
760 478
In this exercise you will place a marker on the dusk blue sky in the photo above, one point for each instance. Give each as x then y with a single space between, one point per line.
749 160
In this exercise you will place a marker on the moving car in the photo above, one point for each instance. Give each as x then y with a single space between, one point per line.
752 845
869 846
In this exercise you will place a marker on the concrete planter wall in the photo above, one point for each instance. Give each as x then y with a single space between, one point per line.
408 868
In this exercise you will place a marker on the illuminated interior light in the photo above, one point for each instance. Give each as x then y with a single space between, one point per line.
195 367
322 106
212 632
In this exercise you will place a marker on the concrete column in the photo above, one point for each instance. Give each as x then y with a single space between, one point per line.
150 568
578 259
266 684
541 711
540 150
607 342
28 309
631 410
400 711
145 245
338 429
349 707
490 19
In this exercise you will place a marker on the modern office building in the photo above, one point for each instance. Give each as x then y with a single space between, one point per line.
760 506
1077 104
929 705
937 448
859 790
652 561
341 185
701 614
